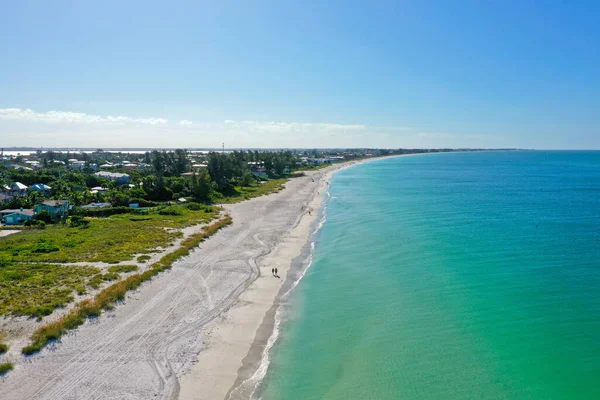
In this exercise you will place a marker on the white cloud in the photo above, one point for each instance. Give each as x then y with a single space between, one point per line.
65 117
291 127
25 127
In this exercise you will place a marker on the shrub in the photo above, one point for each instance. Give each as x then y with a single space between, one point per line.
143 258
194 206
145 203
44 216
78 220
44 246
5 367
123 268
170 211
3 348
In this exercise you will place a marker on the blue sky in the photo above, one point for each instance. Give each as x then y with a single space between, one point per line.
300 74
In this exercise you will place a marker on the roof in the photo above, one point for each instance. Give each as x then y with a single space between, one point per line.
40 186
25 211
19 185
54 203
116 175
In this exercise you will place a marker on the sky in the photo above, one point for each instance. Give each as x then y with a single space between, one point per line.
303 74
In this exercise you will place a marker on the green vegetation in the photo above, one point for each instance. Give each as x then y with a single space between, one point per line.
122 268
105 299
244 193
143 258
5 367
114 239
3 346
37 289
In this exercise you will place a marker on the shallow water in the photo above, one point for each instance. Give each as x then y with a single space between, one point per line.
464 275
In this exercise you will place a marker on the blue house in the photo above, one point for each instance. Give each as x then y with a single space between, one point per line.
40 187
56 208
16 217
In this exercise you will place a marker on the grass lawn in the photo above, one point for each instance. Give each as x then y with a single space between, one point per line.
248 192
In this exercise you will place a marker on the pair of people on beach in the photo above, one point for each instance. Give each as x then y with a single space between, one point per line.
274 272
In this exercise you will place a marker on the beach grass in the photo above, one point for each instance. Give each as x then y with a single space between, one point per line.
111 240
248 192
36 289
5 367
107 297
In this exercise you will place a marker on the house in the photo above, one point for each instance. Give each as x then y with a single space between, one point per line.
98 189
40 187
18 188
130 166
76 164
56 208
113 176
16 217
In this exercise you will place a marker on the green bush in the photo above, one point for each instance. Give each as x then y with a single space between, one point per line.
5 367
170 211
44 216
143 258
123 268
145 203
44 246
78 220
194 206
3 348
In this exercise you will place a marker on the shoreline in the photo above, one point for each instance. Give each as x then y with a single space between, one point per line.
236 358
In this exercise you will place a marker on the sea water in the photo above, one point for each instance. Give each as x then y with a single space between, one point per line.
449 276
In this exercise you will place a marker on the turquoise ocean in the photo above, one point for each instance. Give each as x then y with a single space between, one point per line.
450 276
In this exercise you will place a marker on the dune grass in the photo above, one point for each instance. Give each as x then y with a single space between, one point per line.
35 290
3 346
248 192
106 298
143 258
112 240
5 367
122 268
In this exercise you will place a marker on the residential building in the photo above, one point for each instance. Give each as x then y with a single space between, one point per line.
18 188
56 208
16 217
40 187
114 176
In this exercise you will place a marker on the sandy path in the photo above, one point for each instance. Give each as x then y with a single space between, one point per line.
139 350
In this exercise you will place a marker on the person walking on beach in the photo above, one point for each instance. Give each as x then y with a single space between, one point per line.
276 273
273 271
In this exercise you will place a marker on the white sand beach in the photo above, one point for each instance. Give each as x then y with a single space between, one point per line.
197 331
